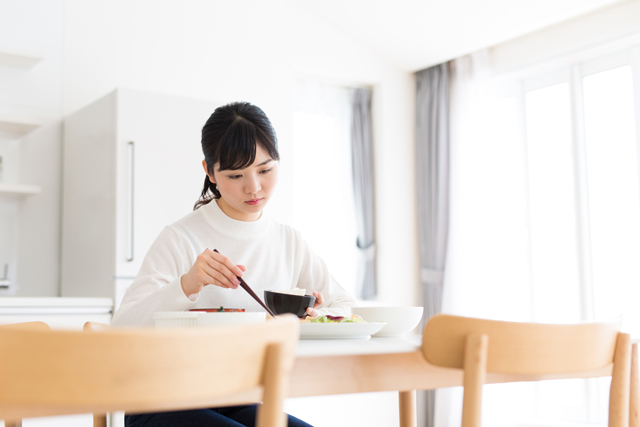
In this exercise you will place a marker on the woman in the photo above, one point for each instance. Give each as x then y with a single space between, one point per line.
181 270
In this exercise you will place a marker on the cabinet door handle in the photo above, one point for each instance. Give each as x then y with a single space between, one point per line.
130 151
4 281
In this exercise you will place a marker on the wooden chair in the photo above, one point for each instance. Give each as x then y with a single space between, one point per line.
479 346
634 403
95 327
28 326
99 420
46 373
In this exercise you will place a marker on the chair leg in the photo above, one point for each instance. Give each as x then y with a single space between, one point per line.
407 401
99 420
475 371
270 413
620 391
634 402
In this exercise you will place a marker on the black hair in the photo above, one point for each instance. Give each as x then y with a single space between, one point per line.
230 138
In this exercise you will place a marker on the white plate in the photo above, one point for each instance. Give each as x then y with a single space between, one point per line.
339 331
194 319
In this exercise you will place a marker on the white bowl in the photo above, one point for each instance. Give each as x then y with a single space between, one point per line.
194 319
175 319
400 320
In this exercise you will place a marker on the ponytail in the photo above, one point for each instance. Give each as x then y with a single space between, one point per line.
209 192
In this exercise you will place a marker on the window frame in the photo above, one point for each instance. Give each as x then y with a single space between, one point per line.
572 69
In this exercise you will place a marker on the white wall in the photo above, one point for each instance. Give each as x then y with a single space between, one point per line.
253 51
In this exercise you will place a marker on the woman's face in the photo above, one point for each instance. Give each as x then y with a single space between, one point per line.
245 192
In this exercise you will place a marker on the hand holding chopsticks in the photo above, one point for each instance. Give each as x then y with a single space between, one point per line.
246 287
210 269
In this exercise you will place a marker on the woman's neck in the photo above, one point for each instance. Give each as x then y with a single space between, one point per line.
236 214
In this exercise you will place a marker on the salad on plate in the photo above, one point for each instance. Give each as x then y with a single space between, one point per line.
335 319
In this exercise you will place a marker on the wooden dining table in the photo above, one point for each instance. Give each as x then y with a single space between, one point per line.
331 367
328 367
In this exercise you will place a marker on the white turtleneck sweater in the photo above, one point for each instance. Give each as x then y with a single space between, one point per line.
275 255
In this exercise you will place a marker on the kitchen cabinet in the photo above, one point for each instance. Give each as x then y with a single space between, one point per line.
131 166
17 128
31 92
24 60
10 194
15 122
58 313
18 191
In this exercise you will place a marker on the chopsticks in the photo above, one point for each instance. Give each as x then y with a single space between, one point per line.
246 287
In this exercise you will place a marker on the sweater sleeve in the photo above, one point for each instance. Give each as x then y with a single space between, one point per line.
315 276
157 286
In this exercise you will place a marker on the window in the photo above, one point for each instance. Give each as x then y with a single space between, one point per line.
545 214
613 192
323 206
584 210
552 204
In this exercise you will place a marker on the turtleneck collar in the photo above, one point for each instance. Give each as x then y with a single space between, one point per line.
231 227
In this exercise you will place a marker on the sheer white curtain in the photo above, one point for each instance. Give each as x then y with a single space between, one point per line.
323 205
488 259
543 213
487 272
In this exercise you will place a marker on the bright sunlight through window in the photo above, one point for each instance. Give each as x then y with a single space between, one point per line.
323 208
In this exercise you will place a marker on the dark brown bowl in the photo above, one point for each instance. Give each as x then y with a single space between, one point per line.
281 303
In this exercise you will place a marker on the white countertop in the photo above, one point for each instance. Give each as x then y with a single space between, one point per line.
55 305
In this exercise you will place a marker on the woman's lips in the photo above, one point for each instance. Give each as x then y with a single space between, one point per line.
253 202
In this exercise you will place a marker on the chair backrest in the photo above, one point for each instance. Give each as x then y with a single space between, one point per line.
146 370
634 402
480 345
95 327
29 326
32 326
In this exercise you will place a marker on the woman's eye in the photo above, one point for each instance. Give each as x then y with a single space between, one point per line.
266 171
234 176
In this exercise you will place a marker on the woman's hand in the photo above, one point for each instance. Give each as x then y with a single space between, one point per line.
211 268
311 311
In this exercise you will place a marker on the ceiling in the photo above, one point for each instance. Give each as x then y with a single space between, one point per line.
415 34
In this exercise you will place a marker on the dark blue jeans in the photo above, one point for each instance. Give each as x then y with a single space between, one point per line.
231 416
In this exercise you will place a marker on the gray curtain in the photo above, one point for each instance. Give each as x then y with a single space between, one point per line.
362 157
432 157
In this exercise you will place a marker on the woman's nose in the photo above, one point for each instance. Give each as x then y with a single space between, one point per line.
253 185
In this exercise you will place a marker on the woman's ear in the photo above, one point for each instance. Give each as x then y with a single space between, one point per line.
204 166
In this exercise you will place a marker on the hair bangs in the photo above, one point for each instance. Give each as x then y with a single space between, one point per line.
269 143
237 149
